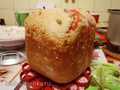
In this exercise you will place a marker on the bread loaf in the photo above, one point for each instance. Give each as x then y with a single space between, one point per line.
59 43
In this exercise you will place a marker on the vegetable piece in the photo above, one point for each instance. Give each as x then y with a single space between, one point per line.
92 88
105 76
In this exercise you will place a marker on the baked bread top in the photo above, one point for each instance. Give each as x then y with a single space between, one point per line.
58 24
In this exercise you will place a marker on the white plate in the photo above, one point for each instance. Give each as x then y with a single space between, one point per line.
11 37
11 44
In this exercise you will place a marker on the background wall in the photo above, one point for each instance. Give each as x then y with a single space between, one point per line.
9 7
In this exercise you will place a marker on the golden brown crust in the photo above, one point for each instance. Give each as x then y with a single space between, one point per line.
58 60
